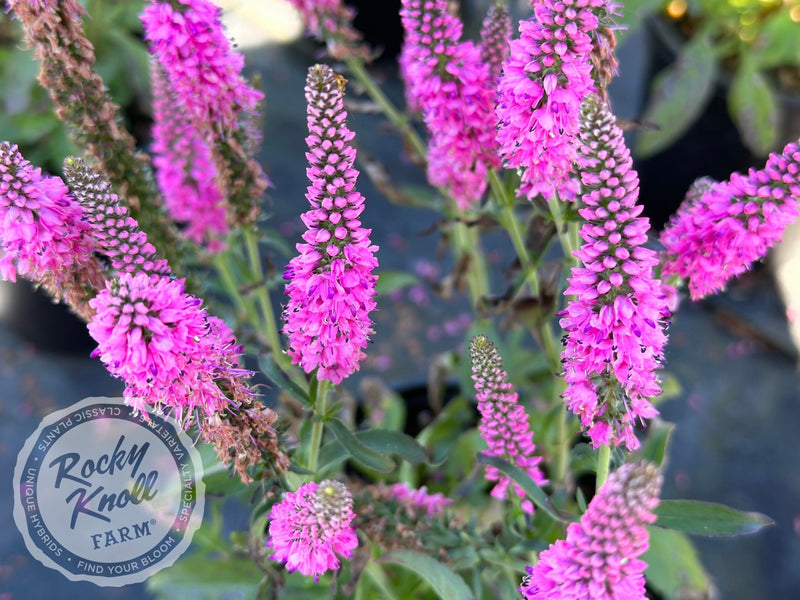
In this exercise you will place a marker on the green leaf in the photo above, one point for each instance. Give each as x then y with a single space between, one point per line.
196 577
754 108
358 450
389 281
658 437
383 441
708 518
532 490
673 567
446 584
678 96
271 370
778 42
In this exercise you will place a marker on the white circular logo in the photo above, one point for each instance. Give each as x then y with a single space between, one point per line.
106 496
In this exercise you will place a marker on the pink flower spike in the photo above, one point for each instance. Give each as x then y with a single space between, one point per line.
117 234
721 229
450 82
599 560
188 39
160 341
615 322
544 81
44 234
504 423
185 170
495 39
331 285
311 528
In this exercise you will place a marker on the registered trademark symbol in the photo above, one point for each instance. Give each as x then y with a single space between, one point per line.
152 521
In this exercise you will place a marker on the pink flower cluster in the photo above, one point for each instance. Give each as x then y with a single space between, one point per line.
722 228
433 504
615 323
150 333
452 85
504 423
43 234
310 527
165 347
185 170
330 284
544 81
189 42
599 560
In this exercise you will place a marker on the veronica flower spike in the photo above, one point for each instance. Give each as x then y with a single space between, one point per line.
504 423
599 560
615 324
44 235
311 528
189 42
451 83
545 78
722 228
330 284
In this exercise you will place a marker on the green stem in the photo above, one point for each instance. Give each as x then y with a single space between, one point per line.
400 121
267 325
511 224
603 463
319 400
222 266
467 243
564 237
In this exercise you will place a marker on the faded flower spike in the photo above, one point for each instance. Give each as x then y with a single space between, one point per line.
311 528
449 81
544 81
723 228
504 423
44 236
331 286
615 324
599 560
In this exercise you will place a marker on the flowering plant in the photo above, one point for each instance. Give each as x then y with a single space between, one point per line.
485 499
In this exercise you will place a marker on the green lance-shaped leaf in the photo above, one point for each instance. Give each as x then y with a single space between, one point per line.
754 107
708 518
534 493
673 568
382 441
678 96
447 584
271 370
357 449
